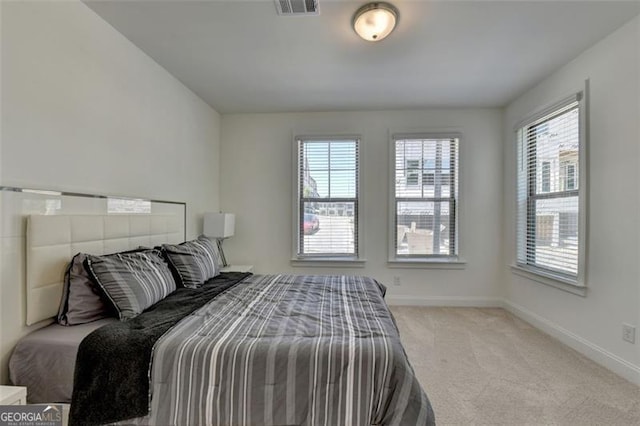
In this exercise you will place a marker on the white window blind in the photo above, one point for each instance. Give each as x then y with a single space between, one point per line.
548 192
425 197
328 182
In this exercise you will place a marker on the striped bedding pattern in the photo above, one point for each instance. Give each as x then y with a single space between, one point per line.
132 281
287 350
193 261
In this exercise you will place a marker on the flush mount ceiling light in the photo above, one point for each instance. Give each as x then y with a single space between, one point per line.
375 21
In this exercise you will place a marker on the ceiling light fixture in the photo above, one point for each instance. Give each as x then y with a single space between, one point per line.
375 21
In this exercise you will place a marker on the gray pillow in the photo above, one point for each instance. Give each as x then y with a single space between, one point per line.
193 262
131 281
81 303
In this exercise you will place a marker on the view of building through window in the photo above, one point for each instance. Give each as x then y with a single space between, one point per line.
328 197
425 197
548 192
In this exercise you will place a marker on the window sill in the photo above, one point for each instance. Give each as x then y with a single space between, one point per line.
550 279
450 263
328 262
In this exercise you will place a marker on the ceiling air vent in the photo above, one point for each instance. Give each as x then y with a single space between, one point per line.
297 7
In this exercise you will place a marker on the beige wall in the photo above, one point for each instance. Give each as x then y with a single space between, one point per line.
257 186
592 324
84 110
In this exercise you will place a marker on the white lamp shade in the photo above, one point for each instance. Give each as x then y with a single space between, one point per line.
219 225
375 21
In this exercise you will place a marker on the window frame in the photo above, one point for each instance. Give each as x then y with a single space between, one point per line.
335 259
568 282
438 261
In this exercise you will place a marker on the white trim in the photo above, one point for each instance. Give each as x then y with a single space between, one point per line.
427 134
592 351
391 205
447 263
583 182
452 301
294 195
549 279
329 262
550 109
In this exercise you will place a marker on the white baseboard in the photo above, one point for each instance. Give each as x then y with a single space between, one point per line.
594 352
478 302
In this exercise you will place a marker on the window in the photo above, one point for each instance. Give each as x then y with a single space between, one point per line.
327 197
424 207
413 166
569 175
546 176
549 195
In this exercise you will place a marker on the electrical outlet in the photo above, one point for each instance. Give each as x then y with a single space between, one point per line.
628 333
396 281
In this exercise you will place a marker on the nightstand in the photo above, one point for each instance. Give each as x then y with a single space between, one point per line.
13 395
237 268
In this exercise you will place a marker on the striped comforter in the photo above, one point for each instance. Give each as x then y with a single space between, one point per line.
287 350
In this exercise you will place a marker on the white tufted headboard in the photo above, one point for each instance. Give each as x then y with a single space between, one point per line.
52 240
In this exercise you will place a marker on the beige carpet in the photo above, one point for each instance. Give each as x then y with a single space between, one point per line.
485 366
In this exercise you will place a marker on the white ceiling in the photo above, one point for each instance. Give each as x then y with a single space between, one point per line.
240 56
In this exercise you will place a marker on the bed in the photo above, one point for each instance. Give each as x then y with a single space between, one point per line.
248 350
44 360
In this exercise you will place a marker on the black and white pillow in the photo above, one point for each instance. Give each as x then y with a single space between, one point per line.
132 281
193 262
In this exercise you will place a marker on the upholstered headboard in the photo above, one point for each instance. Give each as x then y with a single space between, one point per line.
52 240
